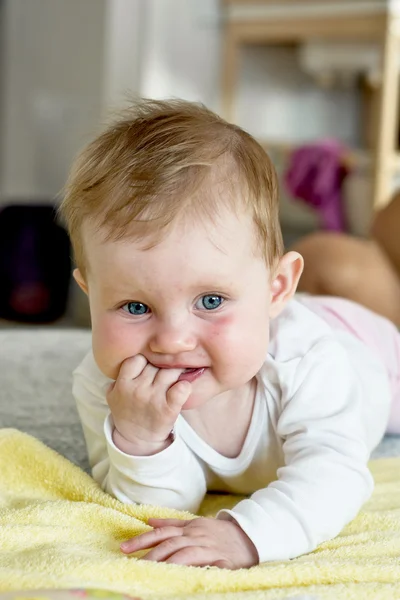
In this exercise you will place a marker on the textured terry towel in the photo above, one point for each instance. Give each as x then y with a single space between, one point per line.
58 529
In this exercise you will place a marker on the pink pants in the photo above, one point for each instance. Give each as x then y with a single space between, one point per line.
375 331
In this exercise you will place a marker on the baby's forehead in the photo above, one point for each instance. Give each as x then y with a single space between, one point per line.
206 245
223 223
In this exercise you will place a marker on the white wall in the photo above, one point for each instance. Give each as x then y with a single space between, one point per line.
52 90
277 101
125 32
180 50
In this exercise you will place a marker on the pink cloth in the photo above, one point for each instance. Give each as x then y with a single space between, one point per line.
375 331
315 175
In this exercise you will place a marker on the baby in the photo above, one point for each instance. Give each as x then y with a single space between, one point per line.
205 373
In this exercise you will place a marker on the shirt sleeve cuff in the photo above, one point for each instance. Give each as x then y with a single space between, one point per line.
276 535
150 465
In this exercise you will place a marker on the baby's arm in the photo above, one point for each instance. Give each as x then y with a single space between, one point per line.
172 477
325 479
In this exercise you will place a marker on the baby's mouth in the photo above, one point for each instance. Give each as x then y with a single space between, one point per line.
191 374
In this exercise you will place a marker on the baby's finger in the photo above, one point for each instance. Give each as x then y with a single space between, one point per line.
178 394
167 549
167 377
148 374
168 522
110 388
150 539
132 367
198 556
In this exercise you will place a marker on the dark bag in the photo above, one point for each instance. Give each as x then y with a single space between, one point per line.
35 264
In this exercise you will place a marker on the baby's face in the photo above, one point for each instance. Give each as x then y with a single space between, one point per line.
200 299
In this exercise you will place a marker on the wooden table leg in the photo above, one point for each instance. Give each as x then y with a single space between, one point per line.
387 118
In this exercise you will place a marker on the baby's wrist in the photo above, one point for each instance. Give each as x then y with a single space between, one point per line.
140 447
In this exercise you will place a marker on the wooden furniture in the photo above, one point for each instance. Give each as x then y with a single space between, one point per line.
296 21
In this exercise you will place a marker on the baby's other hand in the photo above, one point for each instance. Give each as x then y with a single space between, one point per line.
145 402
200 542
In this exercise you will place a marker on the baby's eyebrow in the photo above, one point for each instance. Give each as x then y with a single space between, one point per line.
205 282
119 291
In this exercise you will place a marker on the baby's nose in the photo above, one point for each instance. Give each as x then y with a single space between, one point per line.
172 339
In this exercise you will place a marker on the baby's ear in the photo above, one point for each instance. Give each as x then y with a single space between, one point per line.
80 280
284 282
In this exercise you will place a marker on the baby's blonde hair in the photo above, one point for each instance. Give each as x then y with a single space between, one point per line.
161 161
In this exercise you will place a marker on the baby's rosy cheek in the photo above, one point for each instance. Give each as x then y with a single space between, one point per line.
113 338
225 329
121 341
111 348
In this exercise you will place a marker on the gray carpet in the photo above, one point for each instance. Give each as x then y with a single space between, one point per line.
35 388
36 367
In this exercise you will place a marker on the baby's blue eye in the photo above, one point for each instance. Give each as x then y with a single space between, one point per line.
136 308
210 302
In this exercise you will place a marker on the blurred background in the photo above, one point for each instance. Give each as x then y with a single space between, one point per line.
320 77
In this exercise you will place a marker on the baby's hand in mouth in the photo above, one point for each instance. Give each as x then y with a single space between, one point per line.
145 402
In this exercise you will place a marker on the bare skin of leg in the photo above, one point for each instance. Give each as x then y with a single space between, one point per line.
365 271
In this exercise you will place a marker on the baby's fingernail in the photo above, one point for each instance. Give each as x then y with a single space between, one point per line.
125 546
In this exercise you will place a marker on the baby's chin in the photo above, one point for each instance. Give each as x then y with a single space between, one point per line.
197 399
194 401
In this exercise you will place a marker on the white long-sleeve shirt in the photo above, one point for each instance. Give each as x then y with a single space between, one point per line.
321 406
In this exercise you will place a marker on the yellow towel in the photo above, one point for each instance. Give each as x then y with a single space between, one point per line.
58 529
